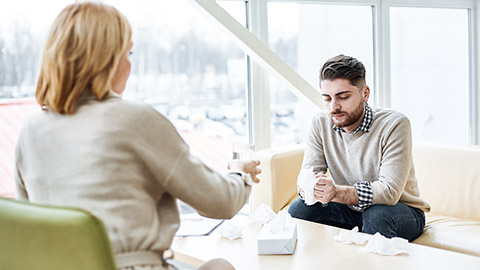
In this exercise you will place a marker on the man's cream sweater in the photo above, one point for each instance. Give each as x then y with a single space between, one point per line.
382 156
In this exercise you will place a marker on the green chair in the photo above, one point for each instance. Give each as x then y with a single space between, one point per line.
40 237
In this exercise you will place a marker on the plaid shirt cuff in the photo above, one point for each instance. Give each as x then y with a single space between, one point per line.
365 195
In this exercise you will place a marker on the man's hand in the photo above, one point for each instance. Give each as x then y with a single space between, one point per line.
247 166
324 189
302 193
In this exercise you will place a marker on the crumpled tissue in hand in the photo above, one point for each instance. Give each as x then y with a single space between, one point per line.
375 243
307 182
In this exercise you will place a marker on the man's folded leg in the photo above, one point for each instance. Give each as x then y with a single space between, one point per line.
399 220
334 214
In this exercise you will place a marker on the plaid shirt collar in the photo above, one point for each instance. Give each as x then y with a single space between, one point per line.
364 126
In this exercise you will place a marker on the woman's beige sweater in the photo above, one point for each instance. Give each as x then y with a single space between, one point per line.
124 162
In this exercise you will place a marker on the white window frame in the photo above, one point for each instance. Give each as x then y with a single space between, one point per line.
381 54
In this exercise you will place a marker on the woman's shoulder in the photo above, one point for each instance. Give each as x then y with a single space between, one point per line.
135 114
128 108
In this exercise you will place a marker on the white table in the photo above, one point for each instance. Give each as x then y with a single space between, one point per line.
316 249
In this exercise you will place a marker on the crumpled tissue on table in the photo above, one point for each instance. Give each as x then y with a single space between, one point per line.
376 243
233 229
352 237
381 245
306 182
230 230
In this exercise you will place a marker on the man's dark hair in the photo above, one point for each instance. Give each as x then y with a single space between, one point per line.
344 67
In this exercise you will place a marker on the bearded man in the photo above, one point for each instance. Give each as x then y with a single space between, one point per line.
367 152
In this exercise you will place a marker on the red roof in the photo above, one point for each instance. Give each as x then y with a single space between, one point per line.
214 152
12 115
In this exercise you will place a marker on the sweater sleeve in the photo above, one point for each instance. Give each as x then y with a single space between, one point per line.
20 191
314 155
184 176
395 163
210 193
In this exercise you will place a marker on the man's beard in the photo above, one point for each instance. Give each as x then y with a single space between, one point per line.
351 118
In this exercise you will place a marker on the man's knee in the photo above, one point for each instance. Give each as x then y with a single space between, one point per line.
298 209
378 218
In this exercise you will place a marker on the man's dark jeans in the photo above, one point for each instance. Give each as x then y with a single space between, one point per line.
399 220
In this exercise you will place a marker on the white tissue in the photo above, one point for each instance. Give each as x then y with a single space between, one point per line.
279 223
352 237
264 214
279 236
375 243
231 230
307 182
381 245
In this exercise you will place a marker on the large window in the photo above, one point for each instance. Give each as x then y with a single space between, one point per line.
190 71
23 27
305 36
430 71
182 65
419 57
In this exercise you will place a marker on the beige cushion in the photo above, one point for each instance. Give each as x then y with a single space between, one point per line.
278 180
449 178
460 235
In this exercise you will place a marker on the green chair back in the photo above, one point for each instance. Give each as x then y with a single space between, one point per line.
40 237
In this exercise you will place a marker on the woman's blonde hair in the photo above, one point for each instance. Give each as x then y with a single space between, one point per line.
81 54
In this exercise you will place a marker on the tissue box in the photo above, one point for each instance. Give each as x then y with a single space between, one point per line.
283 242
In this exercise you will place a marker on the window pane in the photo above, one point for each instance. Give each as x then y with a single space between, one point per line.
22 34
305 36
190 71
23 28
183 66
430 81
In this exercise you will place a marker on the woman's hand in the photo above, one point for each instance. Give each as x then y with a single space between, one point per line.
247 166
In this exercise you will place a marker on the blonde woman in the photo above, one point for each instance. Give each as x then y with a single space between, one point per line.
121 160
